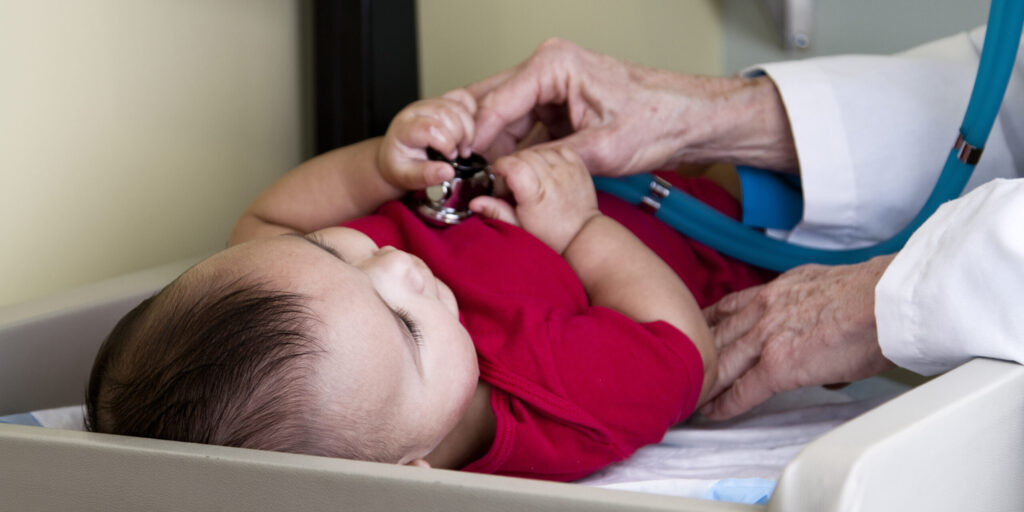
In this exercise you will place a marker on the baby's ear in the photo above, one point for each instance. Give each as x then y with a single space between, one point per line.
420 463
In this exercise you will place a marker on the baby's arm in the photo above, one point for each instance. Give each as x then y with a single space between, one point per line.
620 272
355 180
556 201
327 190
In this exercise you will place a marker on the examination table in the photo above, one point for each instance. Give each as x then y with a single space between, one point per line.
953 443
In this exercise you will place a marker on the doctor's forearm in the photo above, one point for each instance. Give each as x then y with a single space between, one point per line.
743 121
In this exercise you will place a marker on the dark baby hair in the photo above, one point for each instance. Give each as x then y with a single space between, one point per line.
233 366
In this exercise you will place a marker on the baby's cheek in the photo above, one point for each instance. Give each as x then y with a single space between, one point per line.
471 364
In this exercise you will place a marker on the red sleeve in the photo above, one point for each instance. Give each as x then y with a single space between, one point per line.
638 379
602 387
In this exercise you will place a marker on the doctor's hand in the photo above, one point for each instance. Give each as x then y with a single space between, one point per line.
554 194
623 118
444 123
813 325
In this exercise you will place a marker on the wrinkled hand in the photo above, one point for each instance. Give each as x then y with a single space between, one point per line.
445 124
613 117
813 325
553 192
623 118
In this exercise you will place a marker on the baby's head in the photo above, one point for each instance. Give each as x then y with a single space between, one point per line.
324 344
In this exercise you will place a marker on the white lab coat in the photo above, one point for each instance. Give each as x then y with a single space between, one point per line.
872 134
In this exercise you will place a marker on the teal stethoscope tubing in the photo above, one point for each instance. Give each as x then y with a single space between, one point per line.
706 225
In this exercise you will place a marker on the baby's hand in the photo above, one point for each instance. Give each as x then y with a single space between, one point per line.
445 124
554 194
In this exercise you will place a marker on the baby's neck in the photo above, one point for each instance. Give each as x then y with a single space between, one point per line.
471 437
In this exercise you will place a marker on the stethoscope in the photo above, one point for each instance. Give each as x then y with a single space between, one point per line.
707 226
447 203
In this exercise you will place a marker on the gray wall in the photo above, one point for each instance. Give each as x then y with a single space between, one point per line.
844 26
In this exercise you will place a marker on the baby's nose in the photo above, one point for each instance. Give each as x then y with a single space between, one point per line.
406 266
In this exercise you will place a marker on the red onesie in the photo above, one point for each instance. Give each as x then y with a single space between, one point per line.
574 387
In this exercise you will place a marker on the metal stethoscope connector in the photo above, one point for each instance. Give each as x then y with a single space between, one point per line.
447 203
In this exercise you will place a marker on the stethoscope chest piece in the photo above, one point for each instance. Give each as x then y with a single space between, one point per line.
447 203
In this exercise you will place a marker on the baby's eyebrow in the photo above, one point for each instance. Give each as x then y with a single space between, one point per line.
319 243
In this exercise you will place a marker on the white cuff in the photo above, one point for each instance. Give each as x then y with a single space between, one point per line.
829 197
954 291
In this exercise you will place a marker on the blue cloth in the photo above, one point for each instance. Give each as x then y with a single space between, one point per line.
25 418
771 200
753 491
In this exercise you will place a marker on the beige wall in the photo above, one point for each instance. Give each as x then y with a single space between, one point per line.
133 132
462 41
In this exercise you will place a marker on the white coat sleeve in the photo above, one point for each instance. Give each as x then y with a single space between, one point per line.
872 134
955 291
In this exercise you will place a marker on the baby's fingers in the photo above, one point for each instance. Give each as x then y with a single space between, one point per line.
468 103
459 122
434 173
417 174
520 177
463 97
494 208
452 116
558 157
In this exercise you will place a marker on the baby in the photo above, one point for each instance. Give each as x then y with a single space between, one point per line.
538 338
